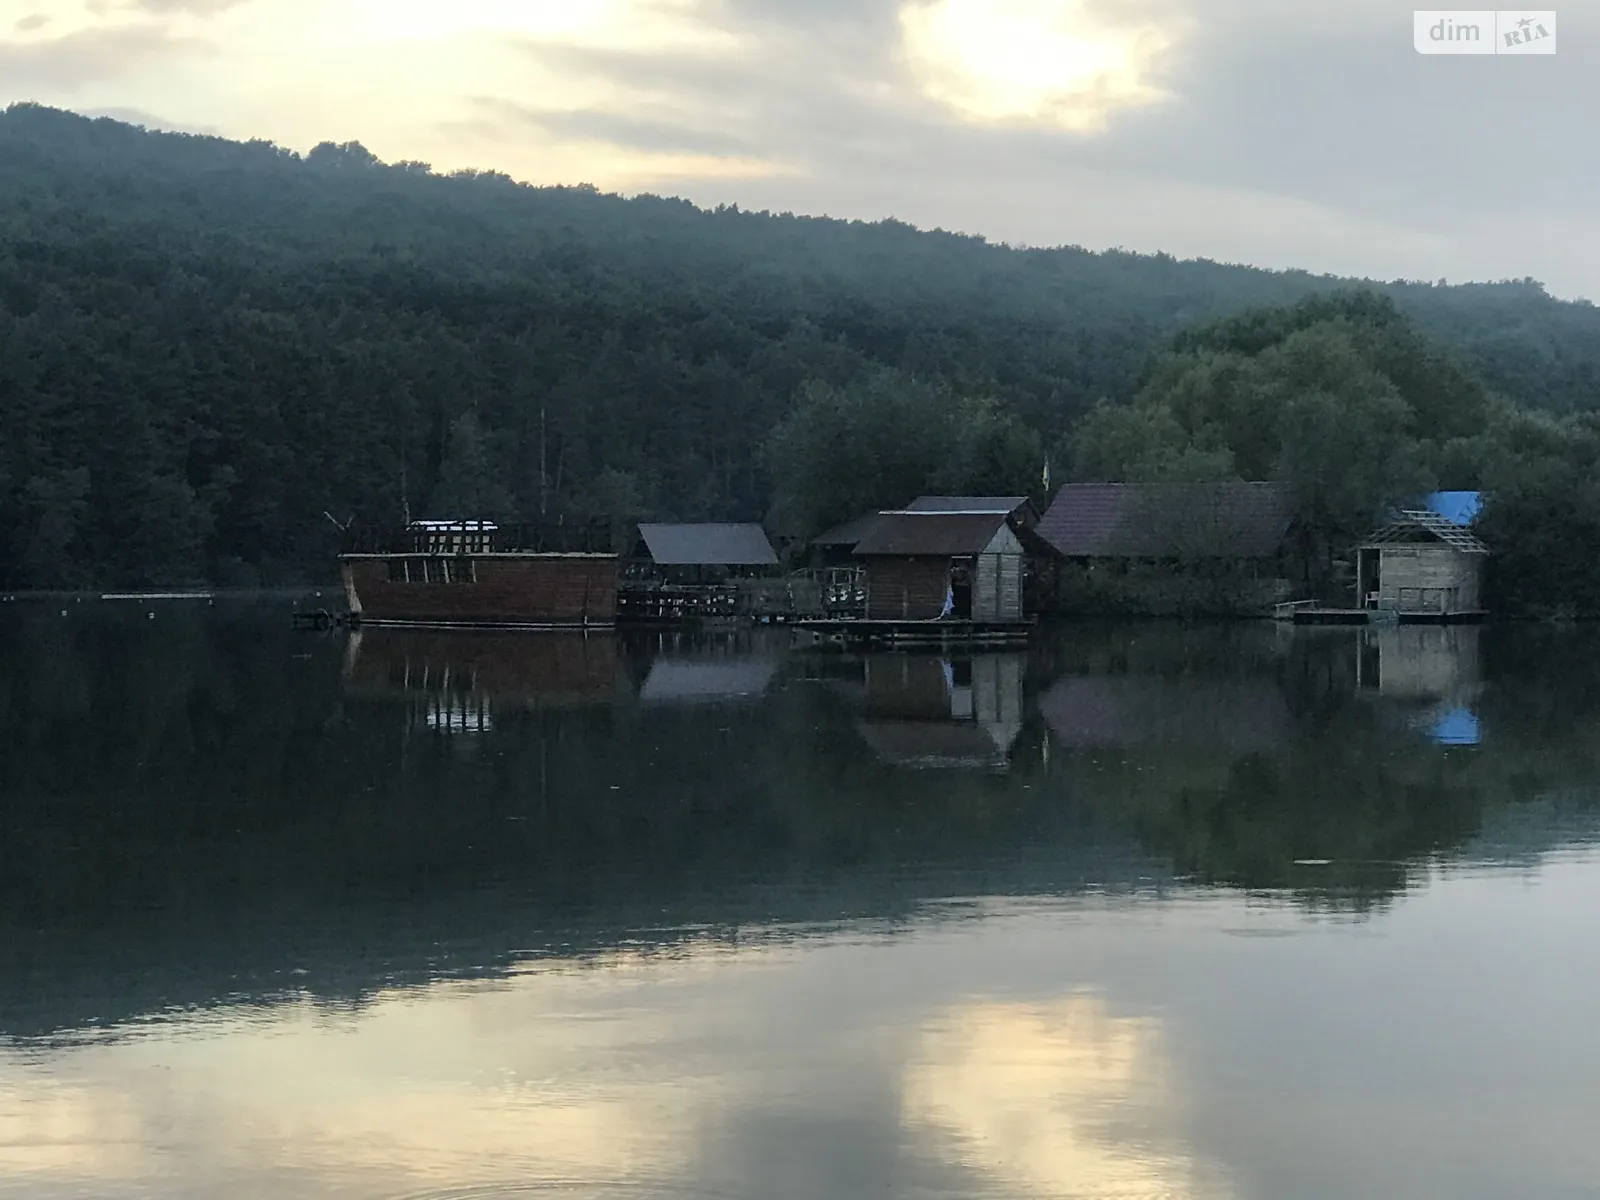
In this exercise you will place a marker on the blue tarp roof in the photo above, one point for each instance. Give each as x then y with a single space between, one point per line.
1458 727
1459 508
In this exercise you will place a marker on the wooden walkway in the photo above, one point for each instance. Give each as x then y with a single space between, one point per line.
1301 612
853 631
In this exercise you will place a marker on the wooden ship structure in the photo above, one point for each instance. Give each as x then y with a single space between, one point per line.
476 574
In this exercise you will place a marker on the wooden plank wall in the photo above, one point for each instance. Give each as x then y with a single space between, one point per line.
558 590
907 589
1413 578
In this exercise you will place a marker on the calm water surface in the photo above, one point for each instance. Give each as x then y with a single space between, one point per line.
1152 911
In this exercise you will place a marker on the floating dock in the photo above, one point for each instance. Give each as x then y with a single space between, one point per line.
849 632
1300 614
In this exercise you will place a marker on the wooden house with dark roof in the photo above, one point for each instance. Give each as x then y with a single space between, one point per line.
1019 510
1169 547
925 566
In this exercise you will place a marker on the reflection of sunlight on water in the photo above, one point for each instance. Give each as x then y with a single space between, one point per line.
1063 1099
429 1089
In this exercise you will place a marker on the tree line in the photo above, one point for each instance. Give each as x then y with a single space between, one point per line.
208 348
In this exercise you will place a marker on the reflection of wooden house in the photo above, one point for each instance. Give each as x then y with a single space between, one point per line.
1430 670
933 712
1422 563
456 682
1086 712
1432 662
1169 547
708 679
924 566
474 573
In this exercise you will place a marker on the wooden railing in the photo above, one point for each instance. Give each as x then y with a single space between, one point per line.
582 537
1285 610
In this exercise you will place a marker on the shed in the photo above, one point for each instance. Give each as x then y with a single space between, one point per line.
1422 562
924 566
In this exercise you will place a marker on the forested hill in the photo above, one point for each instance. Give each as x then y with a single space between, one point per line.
205 345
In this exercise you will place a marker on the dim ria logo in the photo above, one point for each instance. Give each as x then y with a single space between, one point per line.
1485 32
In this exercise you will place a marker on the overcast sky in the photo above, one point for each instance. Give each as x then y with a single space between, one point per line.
1278 132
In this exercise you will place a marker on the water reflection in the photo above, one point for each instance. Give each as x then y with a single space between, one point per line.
702 917
931 712
1430 673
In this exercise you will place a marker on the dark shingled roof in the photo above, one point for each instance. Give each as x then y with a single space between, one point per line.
1168 520
708 545
849 533
967 504
904 535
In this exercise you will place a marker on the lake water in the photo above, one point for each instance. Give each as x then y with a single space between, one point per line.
1152 911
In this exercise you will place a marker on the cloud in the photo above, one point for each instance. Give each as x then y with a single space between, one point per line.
1287 135
31 23
198 8
89 56
651 134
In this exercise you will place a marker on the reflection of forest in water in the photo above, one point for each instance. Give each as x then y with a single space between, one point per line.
198 807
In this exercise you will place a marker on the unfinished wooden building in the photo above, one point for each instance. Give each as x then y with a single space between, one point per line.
1422 564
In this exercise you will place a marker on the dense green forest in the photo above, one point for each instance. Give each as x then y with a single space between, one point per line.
205 346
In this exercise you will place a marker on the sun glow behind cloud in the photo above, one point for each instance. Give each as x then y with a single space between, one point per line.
1047 61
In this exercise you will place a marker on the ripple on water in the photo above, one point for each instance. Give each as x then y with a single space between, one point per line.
627 1190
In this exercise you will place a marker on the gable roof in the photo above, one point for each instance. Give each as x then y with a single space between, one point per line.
1168 520
933 535
848 533
1409 521
967 504
709 545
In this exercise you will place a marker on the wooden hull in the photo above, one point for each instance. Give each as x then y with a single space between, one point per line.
507 591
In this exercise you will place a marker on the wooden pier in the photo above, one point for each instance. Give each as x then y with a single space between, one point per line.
855 632
1309 612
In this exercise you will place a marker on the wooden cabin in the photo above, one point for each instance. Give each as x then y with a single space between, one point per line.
1169 548
931 565
1422 564
475 573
